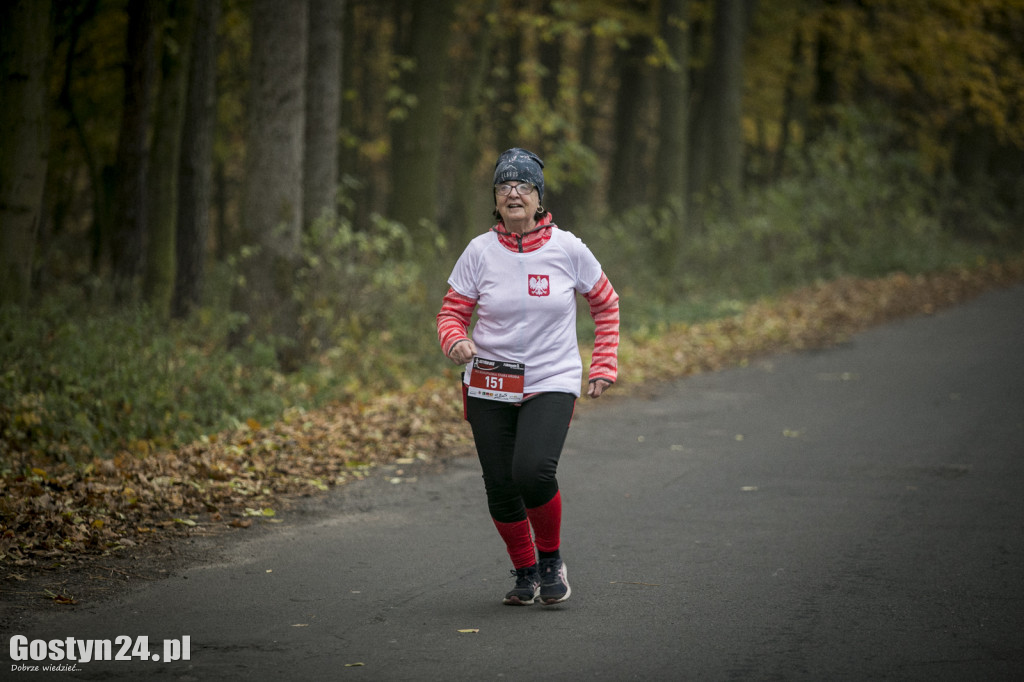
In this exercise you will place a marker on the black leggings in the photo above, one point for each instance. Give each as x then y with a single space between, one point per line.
519 447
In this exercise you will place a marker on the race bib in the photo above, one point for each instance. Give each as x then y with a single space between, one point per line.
496 380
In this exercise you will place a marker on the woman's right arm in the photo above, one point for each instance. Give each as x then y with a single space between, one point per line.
453 326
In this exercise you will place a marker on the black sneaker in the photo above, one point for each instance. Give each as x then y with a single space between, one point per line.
554 585
527 587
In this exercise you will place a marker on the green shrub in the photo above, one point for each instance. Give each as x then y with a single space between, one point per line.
368 307
852 206
81 379
77 384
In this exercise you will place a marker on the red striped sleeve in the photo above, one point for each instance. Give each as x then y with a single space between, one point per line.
453 320
604 308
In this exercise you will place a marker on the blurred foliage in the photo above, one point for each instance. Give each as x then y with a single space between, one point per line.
79 380
852 207
939 72
83 379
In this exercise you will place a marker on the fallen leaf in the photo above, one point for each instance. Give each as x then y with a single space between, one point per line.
260 512
60 598
469 630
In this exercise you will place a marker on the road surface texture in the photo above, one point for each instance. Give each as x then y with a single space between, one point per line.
849 514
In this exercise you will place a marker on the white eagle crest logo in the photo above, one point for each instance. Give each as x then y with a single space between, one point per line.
539 285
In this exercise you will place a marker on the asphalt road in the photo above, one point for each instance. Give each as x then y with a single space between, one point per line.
850 514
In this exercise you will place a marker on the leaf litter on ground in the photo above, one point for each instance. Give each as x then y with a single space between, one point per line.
59 515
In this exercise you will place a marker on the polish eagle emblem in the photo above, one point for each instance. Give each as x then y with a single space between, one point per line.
539 285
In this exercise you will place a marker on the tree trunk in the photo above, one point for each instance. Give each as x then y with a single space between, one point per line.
102 220
506 100
673 125
826 67
195 169
130 214
272 197
670 161
348 157
716 140
576 200
323 102
550 52
24 52
416 141
158 280
789 107
467 220
627 168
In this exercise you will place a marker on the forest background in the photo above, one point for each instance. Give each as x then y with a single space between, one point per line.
221 213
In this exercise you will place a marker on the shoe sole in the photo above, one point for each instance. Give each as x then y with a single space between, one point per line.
568 590
516 601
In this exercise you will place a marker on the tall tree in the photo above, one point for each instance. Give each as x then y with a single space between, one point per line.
465 215
416 140
670 185
576 199
176 49
366 62
323 102
24 50
827 64
627 163
130 214
78 17
272 196
347 155
670 159
195 170
789 106
716 139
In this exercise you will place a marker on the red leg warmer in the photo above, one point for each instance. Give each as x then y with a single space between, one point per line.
547 523
518 542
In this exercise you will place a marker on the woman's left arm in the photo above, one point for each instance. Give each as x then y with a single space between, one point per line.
604 308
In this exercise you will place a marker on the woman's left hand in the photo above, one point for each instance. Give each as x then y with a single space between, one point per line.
597 387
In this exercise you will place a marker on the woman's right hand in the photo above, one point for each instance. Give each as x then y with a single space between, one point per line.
462 352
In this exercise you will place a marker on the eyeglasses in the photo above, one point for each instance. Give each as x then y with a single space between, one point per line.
523 188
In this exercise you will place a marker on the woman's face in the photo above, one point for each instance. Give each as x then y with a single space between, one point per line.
516 207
